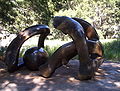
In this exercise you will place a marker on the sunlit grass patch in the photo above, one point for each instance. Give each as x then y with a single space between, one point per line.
112 50
50 49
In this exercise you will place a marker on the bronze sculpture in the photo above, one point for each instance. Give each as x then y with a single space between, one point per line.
89 30
36 56
87 65
12 53
85 44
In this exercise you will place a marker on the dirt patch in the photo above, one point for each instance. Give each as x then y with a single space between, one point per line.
64 79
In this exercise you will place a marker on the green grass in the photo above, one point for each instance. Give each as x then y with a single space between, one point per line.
112 50
50 49
2 51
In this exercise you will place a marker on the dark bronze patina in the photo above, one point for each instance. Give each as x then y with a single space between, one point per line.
85 44
74 29
90 52
67 51
89 30
12 53
36 56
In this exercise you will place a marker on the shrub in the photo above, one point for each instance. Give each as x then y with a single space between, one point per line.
112 50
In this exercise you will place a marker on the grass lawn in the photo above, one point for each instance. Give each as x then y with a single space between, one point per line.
111 47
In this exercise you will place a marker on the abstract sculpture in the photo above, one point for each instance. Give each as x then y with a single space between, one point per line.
74 29
85 44
12 53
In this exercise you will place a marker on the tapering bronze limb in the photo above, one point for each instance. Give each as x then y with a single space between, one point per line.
60 57
67 51
12 53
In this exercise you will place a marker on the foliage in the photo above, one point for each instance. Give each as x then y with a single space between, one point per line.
2 53
15 15
51 50
104 15
7 11
112 50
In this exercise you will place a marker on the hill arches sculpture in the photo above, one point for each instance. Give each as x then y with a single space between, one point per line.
85 44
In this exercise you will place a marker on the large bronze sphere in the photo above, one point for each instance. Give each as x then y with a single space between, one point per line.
35 57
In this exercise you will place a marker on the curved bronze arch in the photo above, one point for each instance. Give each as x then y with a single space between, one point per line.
12 53
89 30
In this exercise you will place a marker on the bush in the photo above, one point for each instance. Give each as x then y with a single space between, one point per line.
2 52
112 50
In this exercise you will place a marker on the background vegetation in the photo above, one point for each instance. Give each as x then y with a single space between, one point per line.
112 50
104 15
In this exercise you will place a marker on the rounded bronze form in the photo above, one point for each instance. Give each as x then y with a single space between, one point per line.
34 57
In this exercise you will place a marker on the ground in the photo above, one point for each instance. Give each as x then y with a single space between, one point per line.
64 79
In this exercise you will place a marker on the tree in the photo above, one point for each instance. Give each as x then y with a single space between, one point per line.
15 15
103 14
7 13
